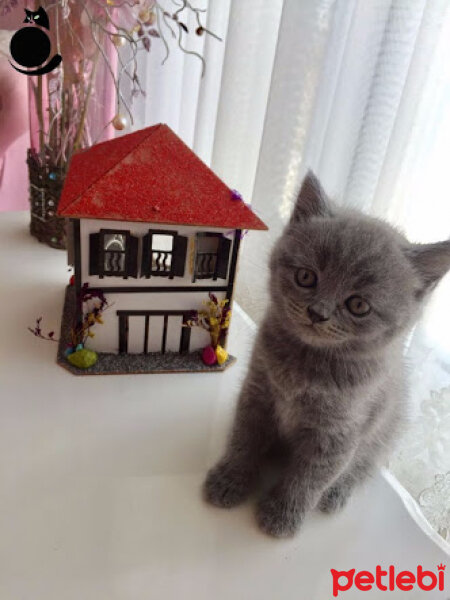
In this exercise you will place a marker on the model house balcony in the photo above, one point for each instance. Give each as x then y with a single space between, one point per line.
161 263
205 265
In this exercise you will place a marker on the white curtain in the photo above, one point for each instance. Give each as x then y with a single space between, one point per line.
356 89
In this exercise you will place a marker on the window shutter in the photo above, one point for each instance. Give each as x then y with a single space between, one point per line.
146 256
223 254
131 256
94 253
178 255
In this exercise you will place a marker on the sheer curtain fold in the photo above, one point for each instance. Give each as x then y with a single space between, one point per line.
300 52
246 80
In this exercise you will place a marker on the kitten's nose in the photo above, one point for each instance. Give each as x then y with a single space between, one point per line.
318 312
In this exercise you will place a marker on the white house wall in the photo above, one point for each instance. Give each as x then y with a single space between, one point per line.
88 226
107 335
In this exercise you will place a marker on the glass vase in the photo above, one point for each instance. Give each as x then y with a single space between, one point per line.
70 108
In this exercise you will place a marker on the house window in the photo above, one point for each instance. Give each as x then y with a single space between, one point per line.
212 252
163 254
113 253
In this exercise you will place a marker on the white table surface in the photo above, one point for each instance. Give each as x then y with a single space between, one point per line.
100 477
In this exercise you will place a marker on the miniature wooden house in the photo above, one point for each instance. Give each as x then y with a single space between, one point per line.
156 231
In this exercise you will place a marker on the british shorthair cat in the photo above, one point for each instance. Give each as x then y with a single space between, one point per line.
327 378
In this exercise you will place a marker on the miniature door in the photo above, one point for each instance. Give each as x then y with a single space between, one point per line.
145 331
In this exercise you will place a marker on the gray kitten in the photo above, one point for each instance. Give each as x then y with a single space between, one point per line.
326 380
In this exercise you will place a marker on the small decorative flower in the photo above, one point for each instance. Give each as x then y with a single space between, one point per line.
235 195
215 319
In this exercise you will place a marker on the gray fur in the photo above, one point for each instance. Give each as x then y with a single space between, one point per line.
326 385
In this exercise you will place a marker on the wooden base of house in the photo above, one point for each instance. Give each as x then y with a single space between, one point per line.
127 364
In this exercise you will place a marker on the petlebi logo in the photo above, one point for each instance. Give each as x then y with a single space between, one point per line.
388 580
30 46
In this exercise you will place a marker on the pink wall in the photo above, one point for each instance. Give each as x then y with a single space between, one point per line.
14 176
14 138
14 121
14 131
13 18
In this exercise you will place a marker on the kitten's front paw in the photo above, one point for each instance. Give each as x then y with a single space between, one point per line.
333 500
278 515
227 485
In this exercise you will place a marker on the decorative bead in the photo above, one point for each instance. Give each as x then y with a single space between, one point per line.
119 41
79 347
235 195
53 240
51 203
119 122
53 176
144 15
50 213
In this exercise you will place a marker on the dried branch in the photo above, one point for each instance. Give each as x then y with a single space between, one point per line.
62 109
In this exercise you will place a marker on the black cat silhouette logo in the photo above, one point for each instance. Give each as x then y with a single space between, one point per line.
30 46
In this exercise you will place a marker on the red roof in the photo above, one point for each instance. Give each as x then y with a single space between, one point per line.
153 177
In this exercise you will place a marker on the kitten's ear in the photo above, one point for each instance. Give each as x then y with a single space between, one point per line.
28 14
311 200
431 262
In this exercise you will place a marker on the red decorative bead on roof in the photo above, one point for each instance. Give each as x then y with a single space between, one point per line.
153 177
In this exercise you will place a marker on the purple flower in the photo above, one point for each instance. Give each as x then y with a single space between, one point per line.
193 316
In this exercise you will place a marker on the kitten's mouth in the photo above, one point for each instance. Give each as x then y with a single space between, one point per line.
298 315
312 334
315 334
311 329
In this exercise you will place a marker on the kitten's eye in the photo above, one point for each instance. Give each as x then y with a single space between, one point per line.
358 306
306 278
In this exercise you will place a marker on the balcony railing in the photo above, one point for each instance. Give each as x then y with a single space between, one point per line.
205 265
161 263
114 261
